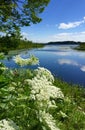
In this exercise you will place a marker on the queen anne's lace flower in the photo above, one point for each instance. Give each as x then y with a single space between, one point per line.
42 89
3 68
8 125
42 72
29 61
44 93
47 119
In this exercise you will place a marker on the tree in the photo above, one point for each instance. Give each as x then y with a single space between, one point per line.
18 13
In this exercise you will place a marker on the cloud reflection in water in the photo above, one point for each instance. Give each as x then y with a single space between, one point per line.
71 62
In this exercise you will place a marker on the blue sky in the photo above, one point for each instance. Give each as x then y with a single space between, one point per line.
62 20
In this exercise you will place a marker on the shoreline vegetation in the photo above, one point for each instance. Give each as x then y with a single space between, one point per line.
66 112
64 109
8 43
11 43
81 45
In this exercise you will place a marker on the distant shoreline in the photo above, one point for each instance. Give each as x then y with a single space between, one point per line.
81 45
63 42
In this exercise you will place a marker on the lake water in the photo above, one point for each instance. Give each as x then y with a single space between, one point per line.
62 60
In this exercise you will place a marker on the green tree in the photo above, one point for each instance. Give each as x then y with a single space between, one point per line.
18 13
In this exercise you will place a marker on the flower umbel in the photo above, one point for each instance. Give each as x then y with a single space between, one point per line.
8 125
47 119
29 61
42 89
43 94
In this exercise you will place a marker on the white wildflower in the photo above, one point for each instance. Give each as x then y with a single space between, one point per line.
29 61
52 105
47 119
42 89
63 114
41 72
44 93
8 125
3 68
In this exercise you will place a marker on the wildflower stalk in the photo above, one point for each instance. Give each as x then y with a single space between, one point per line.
43 94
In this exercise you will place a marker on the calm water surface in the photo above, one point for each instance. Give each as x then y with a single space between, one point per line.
62 60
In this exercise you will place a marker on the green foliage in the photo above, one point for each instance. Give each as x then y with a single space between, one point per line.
8 125
81 46
8 43
73 106
2 56
17 13
16 104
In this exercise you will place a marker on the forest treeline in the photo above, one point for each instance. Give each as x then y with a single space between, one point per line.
81 45
8 43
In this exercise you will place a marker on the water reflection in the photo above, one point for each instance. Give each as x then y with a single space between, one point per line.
67 61
82 68
63 53
71 62
62 60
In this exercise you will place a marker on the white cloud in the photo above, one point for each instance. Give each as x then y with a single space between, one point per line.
25 35
71 24
84 18
77 36
29 36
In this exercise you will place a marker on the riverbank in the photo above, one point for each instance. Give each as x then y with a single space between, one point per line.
10 43
81 47
73 106
69 113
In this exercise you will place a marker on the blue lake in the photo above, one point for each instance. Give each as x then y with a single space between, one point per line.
62 60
